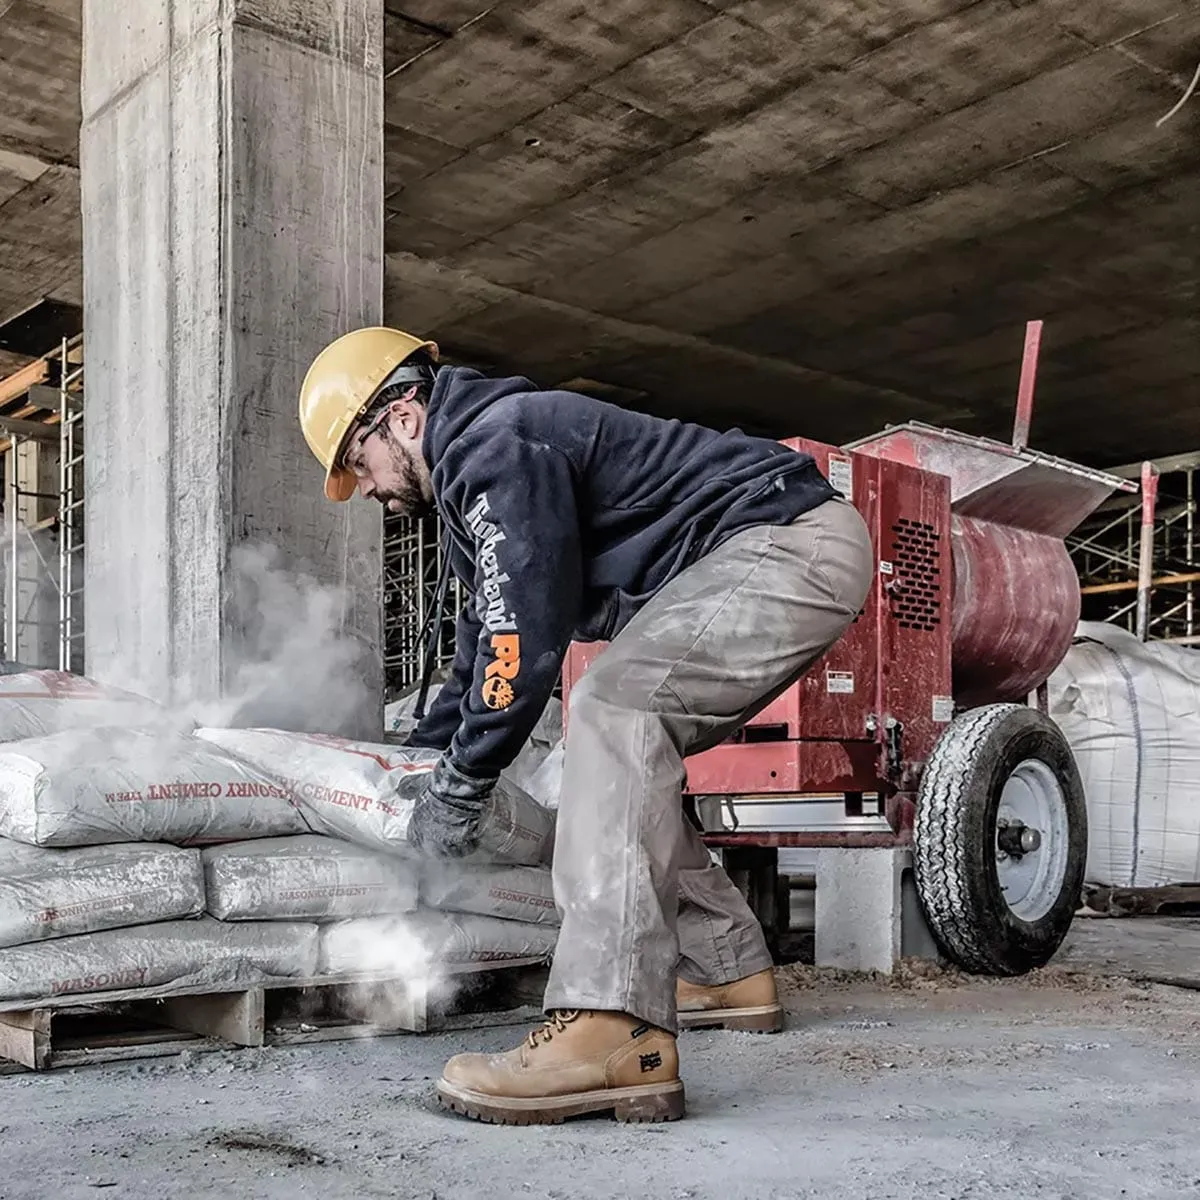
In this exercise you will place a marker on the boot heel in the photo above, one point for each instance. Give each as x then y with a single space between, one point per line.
653 1107
769 1022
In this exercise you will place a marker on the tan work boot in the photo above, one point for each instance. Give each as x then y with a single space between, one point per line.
750 1005
578 1062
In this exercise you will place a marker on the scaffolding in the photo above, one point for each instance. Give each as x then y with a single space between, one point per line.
412 560
1107 553
43 515
70 511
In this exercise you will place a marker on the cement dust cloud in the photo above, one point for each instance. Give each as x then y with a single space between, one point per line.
294 666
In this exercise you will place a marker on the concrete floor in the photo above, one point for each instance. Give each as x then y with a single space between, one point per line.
1068 1085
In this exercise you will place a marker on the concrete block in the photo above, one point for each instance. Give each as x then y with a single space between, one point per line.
868 914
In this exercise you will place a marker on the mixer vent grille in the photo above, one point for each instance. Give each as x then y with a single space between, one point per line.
916 593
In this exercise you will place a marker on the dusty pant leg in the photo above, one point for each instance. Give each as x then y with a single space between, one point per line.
712 648
720 939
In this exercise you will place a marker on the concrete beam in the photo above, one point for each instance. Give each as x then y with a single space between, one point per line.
553 341
232 200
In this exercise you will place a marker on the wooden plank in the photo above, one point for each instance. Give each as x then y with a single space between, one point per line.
30 429
235 1017
1156 949
342 1031
329 1033
130 1051
25 1038
19 382
1129 585
1180 899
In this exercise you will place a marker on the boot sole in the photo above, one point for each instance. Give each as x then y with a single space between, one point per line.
650 1103
767 1018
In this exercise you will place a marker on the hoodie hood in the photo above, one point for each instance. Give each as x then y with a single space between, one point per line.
460 395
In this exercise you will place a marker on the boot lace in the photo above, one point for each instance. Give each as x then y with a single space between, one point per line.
555 1023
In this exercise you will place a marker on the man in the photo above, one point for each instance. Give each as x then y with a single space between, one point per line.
719 566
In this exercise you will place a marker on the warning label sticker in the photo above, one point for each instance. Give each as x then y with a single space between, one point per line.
943 709
840 683
841 475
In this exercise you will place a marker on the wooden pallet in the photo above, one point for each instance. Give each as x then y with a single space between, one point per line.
71 1031
1179 899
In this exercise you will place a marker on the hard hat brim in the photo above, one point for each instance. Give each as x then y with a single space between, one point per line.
340 484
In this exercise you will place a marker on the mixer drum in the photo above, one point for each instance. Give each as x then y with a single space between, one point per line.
1016 606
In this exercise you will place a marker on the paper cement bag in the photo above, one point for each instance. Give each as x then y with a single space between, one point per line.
188 954
545 785
415 945
542 743
365 792
91 787
36 703
58 893
310 878
511 893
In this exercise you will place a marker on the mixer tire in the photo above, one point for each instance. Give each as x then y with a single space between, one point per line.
956 860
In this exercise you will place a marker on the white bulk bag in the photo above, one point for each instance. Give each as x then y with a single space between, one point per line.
365 792
59 893
305 878
186 954
1131 713
92 787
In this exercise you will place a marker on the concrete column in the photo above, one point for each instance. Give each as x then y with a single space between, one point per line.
232 188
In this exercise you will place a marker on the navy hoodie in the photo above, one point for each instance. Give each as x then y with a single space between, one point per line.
565 516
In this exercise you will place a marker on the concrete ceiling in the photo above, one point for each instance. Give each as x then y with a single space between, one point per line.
804 216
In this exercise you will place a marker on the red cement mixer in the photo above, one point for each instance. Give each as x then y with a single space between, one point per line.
920 727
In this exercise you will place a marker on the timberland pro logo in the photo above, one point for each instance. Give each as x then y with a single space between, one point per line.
497 690
498 675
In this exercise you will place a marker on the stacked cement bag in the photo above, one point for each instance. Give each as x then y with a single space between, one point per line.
524 894
108 918
92 787
48 894
171 955
115 838
416 945
35 703
99 793
496 906
537 770
309 878
365 793
1131 712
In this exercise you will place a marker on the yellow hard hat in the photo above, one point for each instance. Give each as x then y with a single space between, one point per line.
338 388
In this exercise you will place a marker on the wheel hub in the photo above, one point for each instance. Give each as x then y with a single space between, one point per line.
1031 840
1016 839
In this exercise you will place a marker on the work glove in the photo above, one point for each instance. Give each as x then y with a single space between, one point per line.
448 813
